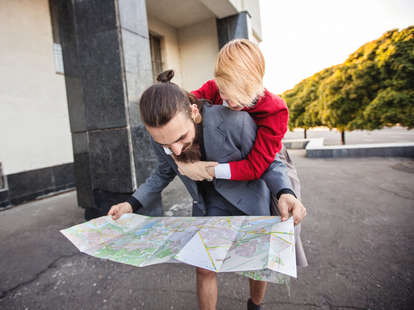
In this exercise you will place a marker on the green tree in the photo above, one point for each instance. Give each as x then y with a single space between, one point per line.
303 102
394 101
373 88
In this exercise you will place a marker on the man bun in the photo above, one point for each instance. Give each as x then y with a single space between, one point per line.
166 76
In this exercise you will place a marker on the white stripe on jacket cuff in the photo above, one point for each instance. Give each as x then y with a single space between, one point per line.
222 171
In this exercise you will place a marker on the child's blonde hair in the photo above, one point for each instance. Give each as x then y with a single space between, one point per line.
239 71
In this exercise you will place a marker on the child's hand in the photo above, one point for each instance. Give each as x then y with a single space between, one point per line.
197 171
119 209
288 203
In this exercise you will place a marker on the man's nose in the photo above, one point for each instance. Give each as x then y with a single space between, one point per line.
176 148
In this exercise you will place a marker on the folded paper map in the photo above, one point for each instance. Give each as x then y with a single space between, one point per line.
261 247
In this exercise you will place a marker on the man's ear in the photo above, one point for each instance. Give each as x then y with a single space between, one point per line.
195 114
194 110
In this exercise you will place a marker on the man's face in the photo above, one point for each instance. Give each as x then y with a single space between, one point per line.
178 134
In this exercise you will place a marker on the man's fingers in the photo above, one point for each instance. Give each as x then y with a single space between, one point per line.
283 209
114 212
299 213
210 163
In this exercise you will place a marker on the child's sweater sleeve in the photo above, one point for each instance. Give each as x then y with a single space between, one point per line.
271 118
208 91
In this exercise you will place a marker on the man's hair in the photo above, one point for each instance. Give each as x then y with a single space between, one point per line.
162 101
239 71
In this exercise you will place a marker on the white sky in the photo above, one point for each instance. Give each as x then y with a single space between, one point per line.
303 37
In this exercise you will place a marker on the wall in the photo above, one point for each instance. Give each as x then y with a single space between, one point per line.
170 52
254 10
198 49
34 122
191 51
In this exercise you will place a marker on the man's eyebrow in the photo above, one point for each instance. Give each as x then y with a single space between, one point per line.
181 137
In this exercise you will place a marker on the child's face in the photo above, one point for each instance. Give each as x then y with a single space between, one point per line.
230 103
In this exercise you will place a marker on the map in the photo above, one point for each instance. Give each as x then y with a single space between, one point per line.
259 247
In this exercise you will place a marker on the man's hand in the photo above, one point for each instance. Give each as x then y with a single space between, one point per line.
119 209
288 203
197 171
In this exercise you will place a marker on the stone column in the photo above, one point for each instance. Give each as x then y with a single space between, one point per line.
233 27
4 190
107 64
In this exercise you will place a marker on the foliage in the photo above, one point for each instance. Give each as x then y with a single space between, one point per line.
303 101
373 88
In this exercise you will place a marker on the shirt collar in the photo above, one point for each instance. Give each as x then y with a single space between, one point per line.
167 150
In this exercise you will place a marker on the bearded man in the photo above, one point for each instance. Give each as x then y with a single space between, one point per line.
186 129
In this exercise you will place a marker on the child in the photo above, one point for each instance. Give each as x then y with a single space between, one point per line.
238 84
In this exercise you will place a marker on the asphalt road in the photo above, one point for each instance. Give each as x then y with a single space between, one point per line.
358 236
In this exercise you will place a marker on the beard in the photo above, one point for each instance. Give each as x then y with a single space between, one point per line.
192 152
190 155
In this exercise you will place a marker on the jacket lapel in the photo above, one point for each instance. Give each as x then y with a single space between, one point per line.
213 136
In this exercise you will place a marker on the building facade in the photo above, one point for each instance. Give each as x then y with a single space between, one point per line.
72 73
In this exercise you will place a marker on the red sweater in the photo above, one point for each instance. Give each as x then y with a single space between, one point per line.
270 114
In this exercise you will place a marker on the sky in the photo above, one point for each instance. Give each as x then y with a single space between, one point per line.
302 37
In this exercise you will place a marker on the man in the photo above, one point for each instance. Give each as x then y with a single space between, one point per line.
181 132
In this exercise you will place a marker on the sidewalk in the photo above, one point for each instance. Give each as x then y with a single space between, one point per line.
358 237
333 137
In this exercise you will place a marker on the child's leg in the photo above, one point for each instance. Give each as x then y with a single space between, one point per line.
257 291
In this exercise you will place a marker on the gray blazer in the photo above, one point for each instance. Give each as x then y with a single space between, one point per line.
224 141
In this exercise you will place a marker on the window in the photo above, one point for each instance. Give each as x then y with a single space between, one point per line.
156 60
57 47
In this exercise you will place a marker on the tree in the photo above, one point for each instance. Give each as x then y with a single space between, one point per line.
303 101
373 88
394 101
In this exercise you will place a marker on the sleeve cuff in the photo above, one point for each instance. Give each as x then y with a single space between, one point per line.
136 205
222 171
285 191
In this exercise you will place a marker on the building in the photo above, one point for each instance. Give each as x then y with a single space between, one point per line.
72 73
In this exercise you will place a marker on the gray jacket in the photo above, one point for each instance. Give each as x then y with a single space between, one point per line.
224 141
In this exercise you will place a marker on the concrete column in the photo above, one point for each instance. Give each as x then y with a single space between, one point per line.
233 27
4 191
107 64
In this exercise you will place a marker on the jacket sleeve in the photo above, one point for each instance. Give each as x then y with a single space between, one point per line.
277 178
149 193
267 144
276 175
